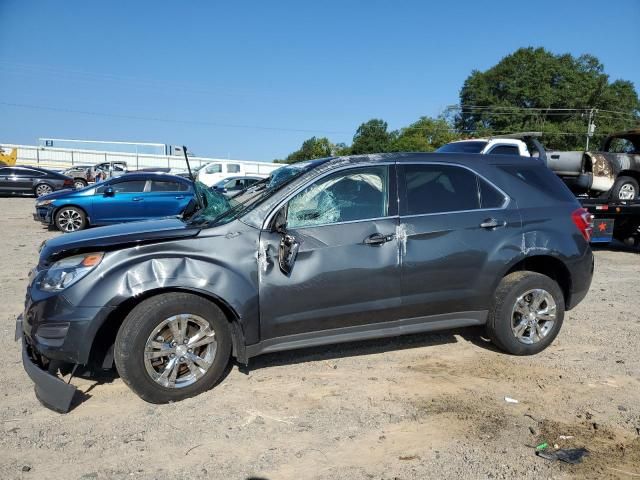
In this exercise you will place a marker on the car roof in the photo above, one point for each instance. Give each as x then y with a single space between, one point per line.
150 175
468 159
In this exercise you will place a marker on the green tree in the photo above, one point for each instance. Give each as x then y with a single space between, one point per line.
425 135
531 89
310 149
372 137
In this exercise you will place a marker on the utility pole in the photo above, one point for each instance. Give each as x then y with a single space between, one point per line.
591 127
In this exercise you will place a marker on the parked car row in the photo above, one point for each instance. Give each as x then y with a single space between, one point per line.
32 181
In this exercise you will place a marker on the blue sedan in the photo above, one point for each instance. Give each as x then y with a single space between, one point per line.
131 197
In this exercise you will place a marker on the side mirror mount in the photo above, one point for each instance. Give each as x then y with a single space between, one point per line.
280 221
109 191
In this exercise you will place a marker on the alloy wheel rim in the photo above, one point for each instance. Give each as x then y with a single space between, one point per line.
627 192
43 190
180 351
78 185
533 316
69 220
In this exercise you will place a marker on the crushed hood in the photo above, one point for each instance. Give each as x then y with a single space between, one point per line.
113 236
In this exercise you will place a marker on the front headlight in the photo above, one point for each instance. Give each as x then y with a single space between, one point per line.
68 271
43 203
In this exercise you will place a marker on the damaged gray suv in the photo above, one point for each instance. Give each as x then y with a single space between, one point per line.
321 252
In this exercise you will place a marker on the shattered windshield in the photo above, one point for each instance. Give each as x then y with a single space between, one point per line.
220 209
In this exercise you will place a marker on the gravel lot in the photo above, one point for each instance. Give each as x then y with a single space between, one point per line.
424 406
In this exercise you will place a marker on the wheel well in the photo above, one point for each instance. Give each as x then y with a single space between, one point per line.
55 212
549 266
630 173
105 337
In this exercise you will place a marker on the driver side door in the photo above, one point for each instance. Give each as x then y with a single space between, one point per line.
335 263
127 203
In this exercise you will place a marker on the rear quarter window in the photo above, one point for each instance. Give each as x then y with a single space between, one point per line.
539 178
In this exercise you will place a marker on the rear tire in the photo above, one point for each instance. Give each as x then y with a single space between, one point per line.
162 361
625 188
70 219
42 189
79 183
527 313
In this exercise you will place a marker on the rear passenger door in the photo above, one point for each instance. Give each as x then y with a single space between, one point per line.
452 221
166 198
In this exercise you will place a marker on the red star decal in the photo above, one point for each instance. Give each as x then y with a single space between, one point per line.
602 227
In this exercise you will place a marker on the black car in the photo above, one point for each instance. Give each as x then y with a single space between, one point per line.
32 181
326 251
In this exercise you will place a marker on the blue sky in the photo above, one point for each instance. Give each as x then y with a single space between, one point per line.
252 80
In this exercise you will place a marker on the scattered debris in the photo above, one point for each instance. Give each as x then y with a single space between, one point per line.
192 448
532 430
565 437
542 446
26 468
510 400
572 456
409 457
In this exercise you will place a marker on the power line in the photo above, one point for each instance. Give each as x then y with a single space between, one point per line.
167 120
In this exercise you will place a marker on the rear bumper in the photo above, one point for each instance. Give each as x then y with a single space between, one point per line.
581 272
50 390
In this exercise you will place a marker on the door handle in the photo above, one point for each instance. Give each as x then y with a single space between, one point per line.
179 197
491 223
137 199
555 157
378 239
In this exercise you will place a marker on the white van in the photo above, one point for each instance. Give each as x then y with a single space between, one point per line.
213 172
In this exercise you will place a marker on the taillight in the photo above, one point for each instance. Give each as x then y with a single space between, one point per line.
68 182
584 221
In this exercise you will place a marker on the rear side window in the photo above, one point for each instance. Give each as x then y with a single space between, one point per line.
25 172
490 197
233 168
540 178
505 150
132 186
463 147
167 186
438 189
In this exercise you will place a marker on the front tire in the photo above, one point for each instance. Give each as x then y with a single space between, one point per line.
625 188
70 219
527 313
173 346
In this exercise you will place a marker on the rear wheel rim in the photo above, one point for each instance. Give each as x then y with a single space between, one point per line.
78 184
69 220
627 192
43 190
533 316
180 351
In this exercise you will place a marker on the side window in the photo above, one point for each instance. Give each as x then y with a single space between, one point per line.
622 145
213 168
235 184
438 189
167 186
504 150
489 196
131 186
26 172
233 168
356 194
250 181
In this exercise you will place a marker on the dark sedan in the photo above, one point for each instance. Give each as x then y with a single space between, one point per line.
32 181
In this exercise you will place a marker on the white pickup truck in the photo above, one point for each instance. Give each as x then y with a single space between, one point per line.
613 172
213 172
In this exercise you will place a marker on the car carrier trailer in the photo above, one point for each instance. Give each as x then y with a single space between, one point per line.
619 220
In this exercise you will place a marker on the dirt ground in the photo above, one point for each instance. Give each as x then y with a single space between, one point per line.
422 406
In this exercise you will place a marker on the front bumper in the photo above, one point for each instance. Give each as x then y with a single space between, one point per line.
44 215
50 390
